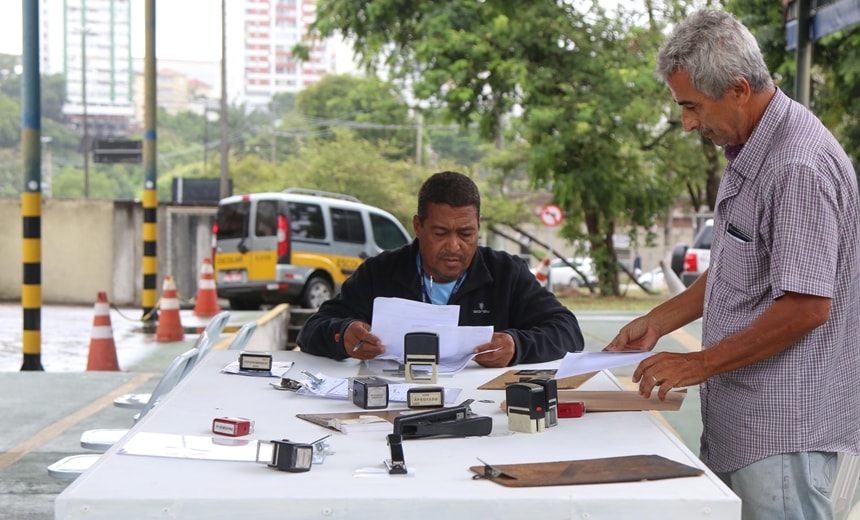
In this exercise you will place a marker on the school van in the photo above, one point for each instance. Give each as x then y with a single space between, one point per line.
296 247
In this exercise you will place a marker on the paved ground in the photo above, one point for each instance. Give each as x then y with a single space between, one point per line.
46 412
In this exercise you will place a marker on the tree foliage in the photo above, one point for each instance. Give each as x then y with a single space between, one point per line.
582 78
835 75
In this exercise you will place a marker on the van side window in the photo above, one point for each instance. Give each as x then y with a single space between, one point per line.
266 219
233 220
346 226
306 221
386 234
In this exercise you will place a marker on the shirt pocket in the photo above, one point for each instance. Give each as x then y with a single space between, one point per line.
741 264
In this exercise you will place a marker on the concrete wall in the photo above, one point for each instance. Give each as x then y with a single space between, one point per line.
97 245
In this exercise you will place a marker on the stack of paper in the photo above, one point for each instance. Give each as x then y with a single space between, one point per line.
394 317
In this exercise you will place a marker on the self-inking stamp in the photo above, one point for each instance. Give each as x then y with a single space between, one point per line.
421 355
526 403
370 393
284 455
550 392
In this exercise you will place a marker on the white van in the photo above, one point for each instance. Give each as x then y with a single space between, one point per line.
296 247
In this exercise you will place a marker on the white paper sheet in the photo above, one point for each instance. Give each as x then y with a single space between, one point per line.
191 447
575 363
279 368
394 317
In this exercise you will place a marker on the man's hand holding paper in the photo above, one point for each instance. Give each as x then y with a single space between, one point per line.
394 317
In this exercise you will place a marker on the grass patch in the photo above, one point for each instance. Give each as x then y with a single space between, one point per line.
634 300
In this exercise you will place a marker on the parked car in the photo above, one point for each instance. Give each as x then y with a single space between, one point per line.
652 280
690 263
296 246
562 275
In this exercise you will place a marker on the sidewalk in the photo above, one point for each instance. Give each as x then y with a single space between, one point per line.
46 412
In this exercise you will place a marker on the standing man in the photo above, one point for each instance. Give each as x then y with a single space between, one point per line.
444 265
780 364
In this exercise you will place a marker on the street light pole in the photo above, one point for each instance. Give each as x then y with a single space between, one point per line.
224 184
86 146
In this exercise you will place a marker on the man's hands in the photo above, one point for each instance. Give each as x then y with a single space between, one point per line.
669 370
665 369
360 343
500 349
501 357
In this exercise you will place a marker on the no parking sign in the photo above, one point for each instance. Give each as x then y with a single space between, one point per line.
551 215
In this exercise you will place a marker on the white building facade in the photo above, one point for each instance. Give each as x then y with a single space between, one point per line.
272 28
97 64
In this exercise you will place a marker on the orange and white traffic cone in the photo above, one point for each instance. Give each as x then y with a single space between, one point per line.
542 274
102 354
169 322
207 296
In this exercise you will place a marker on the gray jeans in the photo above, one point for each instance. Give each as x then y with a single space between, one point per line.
791 486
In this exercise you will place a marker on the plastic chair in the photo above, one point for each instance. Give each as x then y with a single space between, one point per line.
102 439
243 335
845 485
204 344
72 466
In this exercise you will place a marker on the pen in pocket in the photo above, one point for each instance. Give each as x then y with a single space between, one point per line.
737 233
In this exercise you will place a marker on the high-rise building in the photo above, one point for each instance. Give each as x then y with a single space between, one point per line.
272 28
97 65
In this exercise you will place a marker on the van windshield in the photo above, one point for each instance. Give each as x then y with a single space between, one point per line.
233 220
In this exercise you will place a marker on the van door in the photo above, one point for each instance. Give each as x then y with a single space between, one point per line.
233 222
264 247
350 243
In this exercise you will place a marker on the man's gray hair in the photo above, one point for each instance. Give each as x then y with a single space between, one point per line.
716 50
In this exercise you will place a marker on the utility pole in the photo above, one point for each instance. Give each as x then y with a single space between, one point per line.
31 197
225 143
803 55
86 146
150 174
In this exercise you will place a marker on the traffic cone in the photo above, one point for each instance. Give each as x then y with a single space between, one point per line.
102 354
207 296
542 274
169 322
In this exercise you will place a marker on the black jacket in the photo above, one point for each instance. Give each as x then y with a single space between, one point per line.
499 290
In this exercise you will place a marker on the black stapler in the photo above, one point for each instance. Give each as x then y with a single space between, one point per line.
454 421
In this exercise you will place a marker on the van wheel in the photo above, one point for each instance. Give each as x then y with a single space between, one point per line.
245 304
317 291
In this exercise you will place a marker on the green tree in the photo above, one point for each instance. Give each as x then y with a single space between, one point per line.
584 81
372 108
835 74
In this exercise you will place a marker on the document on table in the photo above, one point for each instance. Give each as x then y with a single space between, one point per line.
190 447
394 317
575 363
279 368
339 388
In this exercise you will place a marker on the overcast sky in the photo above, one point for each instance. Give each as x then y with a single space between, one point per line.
185 29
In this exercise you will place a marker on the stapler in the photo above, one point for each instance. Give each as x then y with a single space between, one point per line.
454 421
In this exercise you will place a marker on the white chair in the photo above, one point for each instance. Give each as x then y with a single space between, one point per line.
845 486
102 439
72 466
243 335
204 344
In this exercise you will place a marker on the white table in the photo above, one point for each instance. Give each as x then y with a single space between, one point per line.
129 486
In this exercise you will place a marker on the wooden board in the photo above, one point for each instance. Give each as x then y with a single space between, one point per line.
514 376
633 468
332 421
619 400
622 400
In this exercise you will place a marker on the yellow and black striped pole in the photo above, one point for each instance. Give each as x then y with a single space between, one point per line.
150 186
31 198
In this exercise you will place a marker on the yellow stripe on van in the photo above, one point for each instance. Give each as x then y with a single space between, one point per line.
261 265
339 267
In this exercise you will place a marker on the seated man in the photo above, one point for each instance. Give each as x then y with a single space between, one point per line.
444 265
